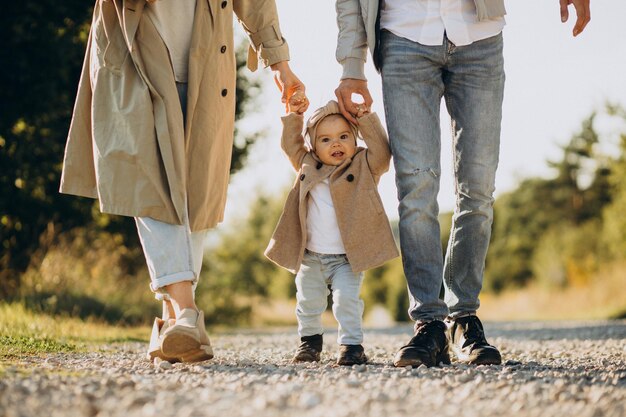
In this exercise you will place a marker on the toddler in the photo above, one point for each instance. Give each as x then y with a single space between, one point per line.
333 226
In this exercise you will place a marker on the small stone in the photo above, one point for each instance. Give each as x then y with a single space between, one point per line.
360 368
353 382
464 378
310 400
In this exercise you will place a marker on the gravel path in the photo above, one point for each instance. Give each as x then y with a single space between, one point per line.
573 369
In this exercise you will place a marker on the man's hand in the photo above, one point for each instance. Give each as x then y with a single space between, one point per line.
289 84
344 92
583 14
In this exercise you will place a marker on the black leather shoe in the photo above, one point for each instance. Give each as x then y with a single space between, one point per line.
468 343
309 349
428 347
351 355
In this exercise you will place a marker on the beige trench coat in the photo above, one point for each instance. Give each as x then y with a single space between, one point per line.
363 224
128 145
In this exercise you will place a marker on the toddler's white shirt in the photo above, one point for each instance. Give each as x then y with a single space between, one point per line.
323 234
426 21
173 20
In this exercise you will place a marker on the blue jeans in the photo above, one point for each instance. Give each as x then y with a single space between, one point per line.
471 79
316 272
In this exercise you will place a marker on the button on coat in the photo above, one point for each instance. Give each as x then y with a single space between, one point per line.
128 145
363 224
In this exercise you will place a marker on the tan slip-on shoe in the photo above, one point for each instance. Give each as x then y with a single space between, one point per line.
189 343
154 348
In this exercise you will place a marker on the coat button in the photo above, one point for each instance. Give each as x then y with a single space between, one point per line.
223 49
350 178
224 92
224 4
319 165
302 177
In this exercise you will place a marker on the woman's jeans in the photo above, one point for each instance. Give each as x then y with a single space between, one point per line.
316 273
173 253
471 79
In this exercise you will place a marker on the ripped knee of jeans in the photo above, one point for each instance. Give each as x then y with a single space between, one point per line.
432 171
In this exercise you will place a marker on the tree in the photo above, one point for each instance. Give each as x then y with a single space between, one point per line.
614 220
236 272
577 194
42 44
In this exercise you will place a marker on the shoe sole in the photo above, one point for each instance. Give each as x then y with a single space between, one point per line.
159 354
349 363
415 362
488 359
294 360
186 347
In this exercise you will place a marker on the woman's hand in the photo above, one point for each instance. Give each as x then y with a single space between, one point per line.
292 89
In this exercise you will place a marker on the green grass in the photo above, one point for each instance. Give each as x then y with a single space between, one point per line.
14 346
24 332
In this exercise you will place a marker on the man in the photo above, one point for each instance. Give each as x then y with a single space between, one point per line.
426 50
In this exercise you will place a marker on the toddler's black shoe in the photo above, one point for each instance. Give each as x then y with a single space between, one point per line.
429 346
309 349
351 355
468 343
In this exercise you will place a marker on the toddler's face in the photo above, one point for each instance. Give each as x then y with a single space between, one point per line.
334 140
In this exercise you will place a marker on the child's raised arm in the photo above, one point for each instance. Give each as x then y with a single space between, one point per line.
374 135
292 141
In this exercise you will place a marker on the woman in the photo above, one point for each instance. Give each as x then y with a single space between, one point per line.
152 133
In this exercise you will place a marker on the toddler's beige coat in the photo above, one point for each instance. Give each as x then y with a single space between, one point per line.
362 221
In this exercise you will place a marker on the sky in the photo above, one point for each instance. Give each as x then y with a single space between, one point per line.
553 82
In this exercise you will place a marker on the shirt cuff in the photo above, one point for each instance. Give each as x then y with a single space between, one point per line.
353 68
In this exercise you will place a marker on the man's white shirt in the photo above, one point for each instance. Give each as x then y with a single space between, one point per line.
426 21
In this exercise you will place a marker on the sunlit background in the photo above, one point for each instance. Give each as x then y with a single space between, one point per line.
553 82
558 248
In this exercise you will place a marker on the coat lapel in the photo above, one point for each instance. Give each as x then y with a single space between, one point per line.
130 14
200 38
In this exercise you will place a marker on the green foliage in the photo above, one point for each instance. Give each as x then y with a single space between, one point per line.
11 346
24 331
236 272
614 220
548 229
88 273
567 255
42 45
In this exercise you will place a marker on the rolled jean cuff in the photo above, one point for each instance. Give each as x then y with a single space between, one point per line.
158 284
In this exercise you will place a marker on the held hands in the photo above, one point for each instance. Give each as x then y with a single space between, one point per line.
348 108
298 103
583 14
291 88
